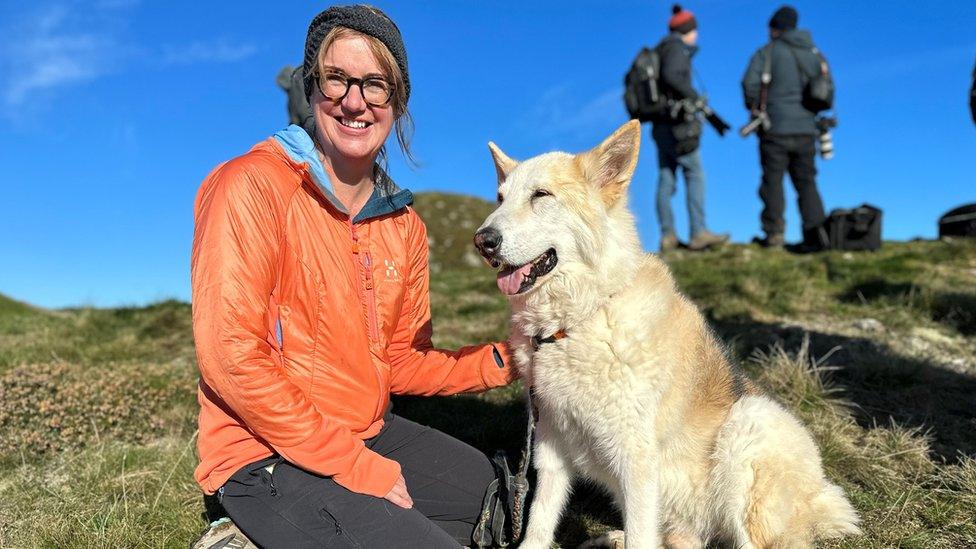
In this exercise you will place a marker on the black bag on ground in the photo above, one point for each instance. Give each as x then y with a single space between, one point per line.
854 229
642 91
959 221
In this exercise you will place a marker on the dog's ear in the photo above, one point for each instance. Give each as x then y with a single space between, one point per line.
503 164
610 165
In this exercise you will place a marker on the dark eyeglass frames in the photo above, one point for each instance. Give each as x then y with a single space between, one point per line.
375 91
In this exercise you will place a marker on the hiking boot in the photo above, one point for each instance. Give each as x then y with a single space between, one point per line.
669 242
771 240
706 239
223 534
814 240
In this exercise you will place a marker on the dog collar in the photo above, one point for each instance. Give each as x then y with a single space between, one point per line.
537 341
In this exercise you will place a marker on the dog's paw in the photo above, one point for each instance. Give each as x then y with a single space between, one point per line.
613 539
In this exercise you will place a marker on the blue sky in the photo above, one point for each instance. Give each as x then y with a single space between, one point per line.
112 111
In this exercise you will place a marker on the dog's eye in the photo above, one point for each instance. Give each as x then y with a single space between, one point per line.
540 193
499 198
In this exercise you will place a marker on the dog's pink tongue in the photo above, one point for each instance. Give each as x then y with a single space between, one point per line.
510 280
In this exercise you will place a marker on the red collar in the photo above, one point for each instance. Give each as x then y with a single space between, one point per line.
537 341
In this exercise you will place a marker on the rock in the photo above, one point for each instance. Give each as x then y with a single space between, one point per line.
869 325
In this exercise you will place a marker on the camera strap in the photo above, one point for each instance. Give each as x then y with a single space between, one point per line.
767 76
823 63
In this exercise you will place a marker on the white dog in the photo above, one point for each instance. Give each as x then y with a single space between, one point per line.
634 391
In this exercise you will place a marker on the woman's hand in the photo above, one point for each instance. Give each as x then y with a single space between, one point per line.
398 494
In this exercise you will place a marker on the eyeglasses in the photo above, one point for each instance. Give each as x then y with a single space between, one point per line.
375 91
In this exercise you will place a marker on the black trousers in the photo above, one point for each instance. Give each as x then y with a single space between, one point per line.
292 508
779 153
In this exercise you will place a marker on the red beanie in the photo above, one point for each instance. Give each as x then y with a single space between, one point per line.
683 21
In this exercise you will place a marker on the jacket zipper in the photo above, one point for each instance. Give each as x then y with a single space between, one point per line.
374 331
369 296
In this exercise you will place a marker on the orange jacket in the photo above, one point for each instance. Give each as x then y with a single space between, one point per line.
306 321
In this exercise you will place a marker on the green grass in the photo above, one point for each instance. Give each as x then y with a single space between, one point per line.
88 336
902 285
97 406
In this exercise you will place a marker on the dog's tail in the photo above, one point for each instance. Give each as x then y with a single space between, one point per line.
832 515
827 514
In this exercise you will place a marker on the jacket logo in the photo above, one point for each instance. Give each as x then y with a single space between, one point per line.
391 271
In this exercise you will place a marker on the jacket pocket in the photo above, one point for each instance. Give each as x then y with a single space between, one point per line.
316 326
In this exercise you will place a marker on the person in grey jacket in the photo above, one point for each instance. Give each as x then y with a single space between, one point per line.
790 142
678 140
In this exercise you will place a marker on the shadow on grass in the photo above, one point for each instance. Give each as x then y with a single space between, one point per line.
878 289
880 383
955 310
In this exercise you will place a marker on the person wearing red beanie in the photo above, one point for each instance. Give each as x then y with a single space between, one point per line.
678 138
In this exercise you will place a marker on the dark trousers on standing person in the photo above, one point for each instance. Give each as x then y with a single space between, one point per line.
280 505
793 153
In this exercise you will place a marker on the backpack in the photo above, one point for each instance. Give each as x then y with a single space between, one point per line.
299 112
959 221
642 91
854 229
818 92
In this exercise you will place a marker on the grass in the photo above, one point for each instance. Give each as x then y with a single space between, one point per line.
904 285
97 406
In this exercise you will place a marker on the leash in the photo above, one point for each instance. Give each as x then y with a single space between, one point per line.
509 490
521 481
521 477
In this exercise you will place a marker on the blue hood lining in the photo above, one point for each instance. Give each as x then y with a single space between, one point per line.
387 197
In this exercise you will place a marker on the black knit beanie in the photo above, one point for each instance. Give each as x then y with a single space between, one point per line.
784 19
358 18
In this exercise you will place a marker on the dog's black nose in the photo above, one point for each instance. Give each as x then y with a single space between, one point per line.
487 241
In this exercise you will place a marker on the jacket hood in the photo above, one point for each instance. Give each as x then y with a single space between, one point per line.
797 38
387 197
675 37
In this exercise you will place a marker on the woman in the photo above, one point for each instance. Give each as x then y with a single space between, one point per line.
310 307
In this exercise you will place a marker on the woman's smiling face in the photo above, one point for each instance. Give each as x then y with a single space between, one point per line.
350 129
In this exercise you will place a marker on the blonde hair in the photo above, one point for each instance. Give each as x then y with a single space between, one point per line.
403 121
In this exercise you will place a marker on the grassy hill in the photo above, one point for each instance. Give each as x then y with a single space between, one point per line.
875 352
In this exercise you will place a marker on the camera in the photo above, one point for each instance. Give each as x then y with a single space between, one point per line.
759 120
691 108
826 139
